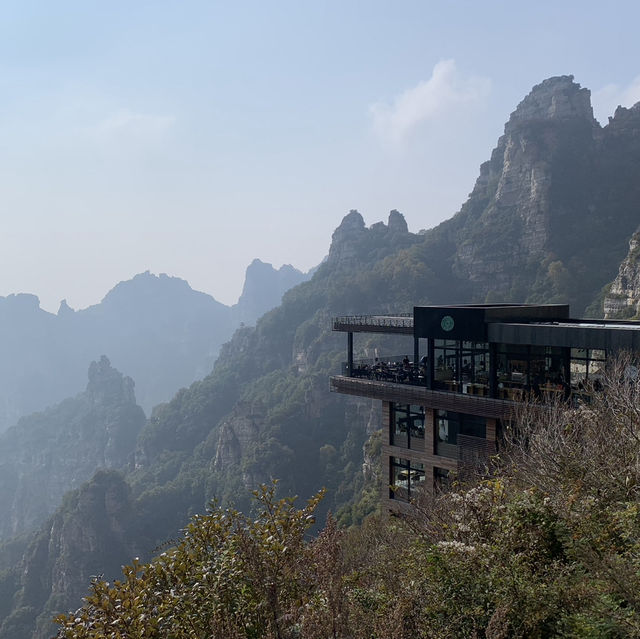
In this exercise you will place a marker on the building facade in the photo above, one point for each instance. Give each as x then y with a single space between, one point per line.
470 365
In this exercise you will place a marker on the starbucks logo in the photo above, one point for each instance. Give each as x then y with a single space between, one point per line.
447 323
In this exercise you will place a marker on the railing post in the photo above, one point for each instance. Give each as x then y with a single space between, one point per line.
350 353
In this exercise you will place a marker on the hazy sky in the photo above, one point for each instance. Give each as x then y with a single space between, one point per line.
191 137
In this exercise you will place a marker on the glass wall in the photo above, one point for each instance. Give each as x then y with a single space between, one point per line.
461 367
586 364
535 370
407 426
406 478
449 425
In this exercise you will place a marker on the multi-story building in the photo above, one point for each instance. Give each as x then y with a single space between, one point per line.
443 407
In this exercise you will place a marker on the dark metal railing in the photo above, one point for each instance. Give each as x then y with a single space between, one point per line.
390 369
396 321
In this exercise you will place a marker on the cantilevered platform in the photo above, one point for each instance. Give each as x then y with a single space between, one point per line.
421 396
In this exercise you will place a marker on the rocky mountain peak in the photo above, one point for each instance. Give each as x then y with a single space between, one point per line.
344 237
625 122
397 222
263 289
557 98
65 310
108 384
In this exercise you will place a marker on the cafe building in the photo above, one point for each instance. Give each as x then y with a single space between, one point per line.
463 372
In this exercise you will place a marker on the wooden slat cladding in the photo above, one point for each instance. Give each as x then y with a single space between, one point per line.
420 396
473 455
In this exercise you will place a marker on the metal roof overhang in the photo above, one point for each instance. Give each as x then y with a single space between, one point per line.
611 337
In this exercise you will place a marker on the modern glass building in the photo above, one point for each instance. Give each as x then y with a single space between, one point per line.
443 406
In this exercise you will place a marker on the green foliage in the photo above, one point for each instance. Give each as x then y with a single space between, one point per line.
230 576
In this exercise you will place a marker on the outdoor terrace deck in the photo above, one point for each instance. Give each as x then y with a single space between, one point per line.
421 396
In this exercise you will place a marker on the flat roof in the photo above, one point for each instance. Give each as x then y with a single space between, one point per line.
525 324
572 333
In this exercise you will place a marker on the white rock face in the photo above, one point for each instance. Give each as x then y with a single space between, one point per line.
623 299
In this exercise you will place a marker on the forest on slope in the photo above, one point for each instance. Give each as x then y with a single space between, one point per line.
548 220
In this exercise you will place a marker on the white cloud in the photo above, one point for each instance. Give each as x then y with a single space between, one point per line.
606 100
126 124
427 101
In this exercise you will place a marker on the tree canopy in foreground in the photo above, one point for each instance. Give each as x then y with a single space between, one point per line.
547 546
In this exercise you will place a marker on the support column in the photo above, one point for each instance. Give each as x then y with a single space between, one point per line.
566 365
350 354
493 370
430 363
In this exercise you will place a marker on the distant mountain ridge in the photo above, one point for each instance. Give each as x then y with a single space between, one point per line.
156 329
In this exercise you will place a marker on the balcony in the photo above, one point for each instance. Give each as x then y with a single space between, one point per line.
419 395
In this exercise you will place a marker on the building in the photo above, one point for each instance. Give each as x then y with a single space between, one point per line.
443 407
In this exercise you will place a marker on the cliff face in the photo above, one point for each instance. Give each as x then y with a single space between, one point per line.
545 220
91 534
49 453
623 299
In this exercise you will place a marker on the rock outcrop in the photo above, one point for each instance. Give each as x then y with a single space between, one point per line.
623 298
263 289
49 453
91 534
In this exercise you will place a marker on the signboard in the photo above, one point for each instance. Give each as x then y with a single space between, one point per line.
450 322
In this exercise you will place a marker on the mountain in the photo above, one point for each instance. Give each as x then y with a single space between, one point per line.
47 454
263 289
552 211
156 329
549 219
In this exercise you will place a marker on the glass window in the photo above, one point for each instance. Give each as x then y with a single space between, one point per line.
407 428
449 425
586 364
461 367
441 479
406 478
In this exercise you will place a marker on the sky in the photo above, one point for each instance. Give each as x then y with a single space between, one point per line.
191 137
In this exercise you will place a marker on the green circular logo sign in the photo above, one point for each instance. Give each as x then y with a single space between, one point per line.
447 323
